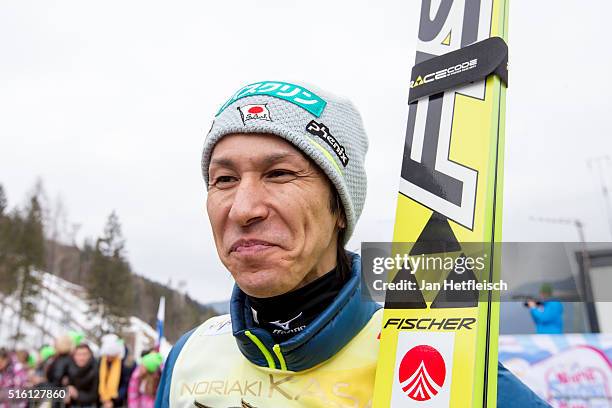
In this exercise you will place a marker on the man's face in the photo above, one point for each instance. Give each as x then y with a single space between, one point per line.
81 356
269 208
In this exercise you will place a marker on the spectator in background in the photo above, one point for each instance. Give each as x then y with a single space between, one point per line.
82 378
22 357
115 372
21 360
547 314
44 361
12 377
57 371
127 368
144 382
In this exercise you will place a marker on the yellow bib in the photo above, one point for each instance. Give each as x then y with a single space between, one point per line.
211 372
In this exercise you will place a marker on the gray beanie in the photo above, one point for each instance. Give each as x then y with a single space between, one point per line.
324 127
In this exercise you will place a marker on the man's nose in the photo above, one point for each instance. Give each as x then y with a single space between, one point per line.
248 206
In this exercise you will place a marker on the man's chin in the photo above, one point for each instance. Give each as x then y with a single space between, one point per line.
262 284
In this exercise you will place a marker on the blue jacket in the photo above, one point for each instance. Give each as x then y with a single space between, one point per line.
227 361
548 318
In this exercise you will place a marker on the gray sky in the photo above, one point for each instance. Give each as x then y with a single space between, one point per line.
109 103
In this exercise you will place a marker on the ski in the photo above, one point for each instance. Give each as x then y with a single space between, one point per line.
439 349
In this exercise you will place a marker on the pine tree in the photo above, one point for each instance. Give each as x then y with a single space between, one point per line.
110 283
3 201
6 287
6 284
11 252
29 248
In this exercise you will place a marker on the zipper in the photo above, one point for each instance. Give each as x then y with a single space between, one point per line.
266 353
280 357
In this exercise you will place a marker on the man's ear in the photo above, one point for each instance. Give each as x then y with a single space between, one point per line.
341 223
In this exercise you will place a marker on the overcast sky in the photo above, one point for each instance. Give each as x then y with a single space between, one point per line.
108 102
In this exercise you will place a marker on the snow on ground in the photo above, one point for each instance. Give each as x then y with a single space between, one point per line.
62 306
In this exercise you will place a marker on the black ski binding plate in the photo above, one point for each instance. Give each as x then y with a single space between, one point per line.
463 66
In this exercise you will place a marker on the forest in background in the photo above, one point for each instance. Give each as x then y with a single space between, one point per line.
37 236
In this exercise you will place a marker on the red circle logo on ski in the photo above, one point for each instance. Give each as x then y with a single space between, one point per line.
422 372
255 109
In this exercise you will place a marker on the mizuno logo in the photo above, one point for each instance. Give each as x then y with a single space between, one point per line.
285 325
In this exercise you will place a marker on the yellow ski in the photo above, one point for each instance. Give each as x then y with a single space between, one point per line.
439 348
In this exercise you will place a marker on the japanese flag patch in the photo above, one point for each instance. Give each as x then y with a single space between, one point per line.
257 111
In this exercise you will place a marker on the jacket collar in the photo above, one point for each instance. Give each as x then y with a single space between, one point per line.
320 340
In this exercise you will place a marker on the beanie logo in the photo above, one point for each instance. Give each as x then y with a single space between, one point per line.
319 129
250 112
295 94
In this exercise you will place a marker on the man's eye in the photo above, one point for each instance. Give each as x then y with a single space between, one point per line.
224 181
281 175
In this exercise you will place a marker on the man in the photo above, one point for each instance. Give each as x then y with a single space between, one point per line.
547 314
82 378
284 165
